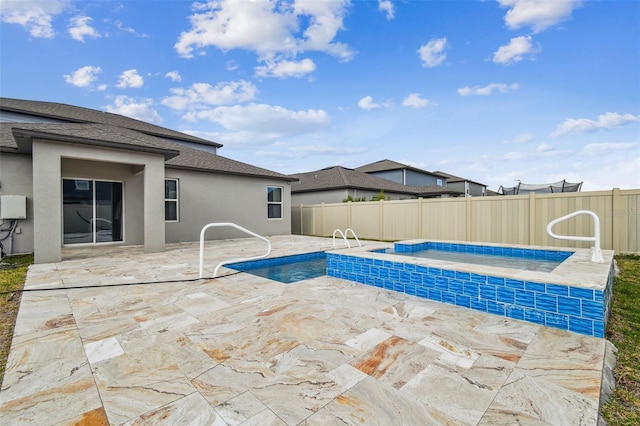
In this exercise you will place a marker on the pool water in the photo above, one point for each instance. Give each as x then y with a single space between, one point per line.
287 269
527 264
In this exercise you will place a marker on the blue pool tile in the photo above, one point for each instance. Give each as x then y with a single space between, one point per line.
558 290
435 295
429 281
462 300
593 310
416 278
378 282
405 276
471 289
409 267
569 305
516 312
375 271
581 293
535 316
479 305
456 286
388 284
442 284
449 274
506 295
495 308
477 278
525 298
495 280
516 284
547 302
394 274
581 325
422 270
465 276
448 297
435 271
422 292
411 289
488 291
598 329
398 286
534 286
599 295
557 321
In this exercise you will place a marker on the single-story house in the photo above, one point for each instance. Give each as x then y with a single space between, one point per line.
73 176
337 184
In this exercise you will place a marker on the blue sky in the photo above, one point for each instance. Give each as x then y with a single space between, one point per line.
493 91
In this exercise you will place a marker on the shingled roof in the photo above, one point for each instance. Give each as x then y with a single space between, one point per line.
339 177
387 165
114 131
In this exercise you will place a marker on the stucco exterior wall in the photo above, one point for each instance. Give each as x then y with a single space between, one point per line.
210 197
16 179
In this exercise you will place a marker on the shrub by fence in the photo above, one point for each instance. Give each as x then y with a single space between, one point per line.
519 219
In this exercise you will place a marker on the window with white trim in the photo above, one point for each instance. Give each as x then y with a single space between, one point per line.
274 202
171 200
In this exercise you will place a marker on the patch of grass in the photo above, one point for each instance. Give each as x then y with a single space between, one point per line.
13 272
623 330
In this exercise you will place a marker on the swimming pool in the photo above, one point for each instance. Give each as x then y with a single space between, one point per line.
506 257
574 296
286 269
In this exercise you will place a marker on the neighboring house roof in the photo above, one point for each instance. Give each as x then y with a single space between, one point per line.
78 114
17 137
339 177
453 178
387 165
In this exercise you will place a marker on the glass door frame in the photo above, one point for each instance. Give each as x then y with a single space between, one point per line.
93 220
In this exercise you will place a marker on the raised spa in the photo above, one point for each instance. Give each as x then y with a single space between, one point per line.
575 295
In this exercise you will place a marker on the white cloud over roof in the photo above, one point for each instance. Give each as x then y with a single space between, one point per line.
537 14
274 30
34 16
141 109
515 51
204 95
85 77
432 54
130 79
79 28
606 121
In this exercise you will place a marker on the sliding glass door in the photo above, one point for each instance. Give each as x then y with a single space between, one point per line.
92 211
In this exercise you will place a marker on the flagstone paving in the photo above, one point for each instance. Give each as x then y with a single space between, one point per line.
117 336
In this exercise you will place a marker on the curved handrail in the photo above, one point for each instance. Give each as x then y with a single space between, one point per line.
596 255
344 237
346 232
233 225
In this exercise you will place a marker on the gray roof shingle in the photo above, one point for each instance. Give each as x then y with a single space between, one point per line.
339 177
131 135
386 165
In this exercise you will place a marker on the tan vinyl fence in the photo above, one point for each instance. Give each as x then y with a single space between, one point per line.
519 219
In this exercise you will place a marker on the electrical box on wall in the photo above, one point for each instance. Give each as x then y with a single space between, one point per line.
13 207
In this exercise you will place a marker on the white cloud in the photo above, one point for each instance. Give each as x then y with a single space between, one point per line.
34 16
130 79
603 148
514 51
537 14
84 77
285 69
271 120
140 109
605 121
387 7
299 152
203 95
523 138
487 90
432 54
174 76
79 28
414 100
367 103
283 28
544 147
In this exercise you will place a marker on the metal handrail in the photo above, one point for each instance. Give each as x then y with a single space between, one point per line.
596 255
344 237
346 232
233 225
